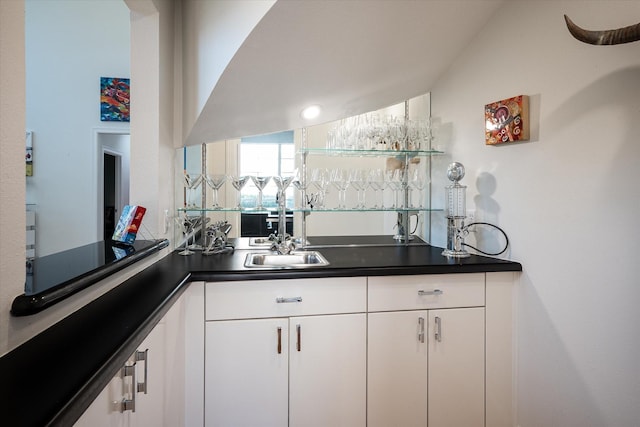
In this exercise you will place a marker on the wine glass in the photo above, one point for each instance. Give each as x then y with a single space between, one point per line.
376 181
238 183
393 180
301 185
358 180
320 180
260 182
216 181
340 180
417 182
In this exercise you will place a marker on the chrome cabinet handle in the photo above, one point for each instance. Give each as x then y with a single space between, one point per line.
279 340
421 329
433 292
438 334
129 404
298 343
281 300
142 356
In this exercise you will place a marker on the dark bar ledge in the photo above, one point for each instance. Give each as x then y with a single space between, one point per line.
58 276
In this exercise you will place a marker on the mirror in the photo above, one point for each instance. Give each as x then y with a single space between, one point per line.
347 210
63 70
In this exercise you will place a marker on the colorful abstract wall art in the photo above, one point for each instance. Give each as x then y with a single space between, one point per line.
114 99
507 120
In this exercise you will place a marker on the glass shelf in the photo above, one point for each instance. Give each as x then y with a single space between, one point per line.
332 210
371 153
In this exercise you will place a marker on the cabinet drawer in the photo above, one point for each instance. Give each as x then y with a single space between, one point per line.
426 291
281 298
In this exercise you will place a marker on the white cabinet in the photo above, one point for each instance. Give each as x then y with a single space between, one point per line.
426 367
421 350
246 373
134 397
397 369
327 370
302 364
456 367
153 379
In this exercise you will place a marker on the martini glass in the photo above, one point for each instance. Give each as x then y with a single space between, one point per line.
216 182
260 182
238 183
190 183
186 226
282 182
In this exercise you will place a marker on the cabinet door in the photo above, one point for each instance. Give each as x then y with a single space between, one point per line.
145 390
105 409
397 369
150 379
456 367
246 372
327 384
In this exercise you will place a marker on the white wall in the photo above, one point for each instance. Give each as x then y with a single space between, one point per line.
569 200
69 46
155 108
12 182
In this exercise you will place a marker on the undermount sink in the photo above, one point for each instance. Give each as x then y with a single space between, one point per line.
298 259
260 241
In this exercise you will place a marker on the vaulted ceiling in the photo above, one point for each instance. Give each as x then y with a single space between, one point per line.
349 57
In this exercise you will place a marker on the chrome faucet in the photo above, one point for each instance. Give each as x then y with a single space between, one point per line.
282 242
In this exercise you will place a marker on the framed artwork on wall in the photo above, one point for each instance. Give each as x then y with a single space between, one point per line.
507 120
114 99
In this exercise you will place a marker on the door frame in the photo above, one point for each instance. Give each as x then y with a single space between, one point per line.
101 150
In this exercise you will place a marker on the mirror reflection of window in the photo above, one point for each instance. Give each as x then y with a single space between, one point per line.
266 155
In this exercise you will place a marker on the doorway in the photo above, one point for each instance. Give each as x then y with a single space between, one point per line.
113 178
111 187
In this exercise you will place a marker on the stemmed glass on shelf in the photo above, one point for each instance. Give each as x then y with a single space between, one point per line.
260 182
376 181
340 179
320 180
417 182
216 181
238 183
301 185
358 179
190 183
393 180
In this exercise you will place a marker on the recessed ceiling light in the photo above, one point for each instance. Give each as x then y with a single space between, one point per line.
311 112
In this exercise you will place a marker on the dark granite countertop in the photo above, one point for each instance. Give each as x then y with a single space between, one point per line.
52 378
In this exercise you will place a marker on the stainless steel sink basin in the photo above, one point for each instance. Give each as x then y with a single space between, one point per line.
298 259
260 241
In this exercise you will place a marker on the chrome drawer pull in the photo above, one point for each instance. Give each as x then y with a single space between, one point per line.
281 300
421 329
433 292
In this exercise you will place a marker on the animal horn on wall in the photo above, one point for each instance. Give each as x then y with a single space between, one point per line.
606 37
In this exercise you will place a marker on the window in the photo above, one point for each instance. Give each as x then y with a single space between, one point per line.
266 155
